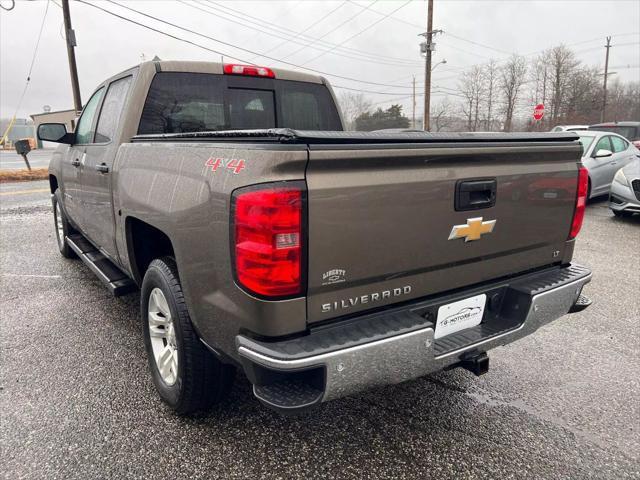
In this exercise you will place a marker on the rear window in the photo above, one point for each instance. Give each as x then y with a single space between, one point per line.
630 132
251 108
180 102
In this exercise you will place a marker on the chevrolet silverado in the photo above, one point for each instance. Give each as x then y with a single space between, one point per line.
319 262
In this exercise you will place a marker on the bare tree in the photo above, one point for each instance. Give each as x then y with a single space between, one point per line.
583 97
562 63
490 78
442 115
623 100
472 89
539 77
352 106
512 77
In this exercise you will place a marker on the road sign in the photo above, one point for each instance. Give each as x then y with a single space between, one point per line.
538 112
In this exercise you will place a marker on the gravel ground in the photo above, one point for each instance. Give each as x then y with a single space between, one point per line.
76 400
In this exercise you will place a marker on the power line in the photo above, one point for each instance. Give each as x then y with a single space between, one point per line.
478 44
421 28
287 31
33 59
216 40
357 55
342 87
450 92
129 20
309 27
529 55
360 32
159 31
335 28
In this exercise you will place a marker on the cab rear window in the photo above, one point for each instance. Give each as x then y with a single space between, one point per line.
180 102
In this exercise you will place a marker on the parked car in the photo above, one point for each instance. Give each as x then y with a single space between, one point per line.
604 154
629 130
569 128
624 199
319 262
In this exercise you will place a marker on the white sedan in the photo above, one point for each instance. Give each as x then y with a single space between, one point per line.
604 154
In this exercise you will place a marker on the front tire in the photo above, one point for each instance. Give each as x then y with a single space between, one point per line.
62 226
186 374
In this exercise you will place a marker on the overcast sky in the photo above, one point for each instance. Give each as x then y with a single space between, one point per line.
368 42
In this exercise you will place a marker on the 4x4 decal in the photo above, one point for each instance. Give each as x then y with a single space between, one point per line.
236 165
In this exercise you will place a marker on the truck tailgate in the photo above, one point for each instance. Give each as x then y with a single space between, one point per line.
381 217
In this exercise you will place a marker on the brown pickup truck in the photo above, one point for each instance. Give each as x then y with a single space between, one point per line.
320 262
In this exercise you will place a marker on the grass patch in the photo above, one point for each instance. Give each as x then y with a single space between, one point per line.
24 175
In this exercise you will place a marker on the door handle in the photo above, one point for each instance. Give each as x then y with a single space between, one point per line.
102 168
75 163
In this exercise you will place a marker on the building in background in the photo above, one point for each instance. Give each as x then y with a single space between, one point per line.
21 129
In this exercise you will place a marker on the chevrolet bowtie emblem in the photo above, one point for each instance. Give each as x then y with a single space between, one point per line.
472 230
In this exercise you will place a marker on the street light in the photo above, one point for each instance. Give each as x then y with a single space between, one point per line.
444 60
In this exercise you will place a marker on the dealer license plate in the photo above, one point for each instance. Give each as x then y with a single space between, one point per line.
459 315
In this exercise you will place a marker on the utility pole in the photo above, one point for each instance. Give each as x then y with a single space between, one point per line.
606 73
71 43
427 68
427 48
413 113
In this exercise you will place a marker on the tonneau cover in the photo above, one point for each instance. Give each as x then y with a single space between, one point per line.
287 135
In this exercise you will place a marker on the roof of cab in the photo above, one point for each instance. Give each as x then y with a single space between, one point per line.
216 68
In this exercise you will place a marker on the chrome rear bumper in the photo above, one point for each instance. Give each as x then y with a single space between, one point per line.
398 345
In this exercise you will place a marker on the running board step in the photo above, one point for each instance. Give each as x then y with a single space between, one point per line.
115 280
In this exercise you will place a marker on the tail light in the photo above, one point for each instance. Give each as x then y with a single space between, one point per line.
248 70
581 202
268 237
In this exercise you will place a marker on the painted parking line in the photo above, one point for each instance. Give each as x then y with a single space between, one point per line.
24 192
27 275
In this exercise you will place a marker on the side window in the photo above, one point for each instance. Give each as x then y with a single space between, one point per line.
111 109
619 145
84 131
603 144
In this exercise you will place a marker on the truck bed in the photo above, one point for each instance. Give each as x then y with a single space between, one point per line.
382 206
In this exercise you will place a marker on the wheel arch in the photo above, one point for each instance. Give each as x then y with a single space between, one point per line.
145 243
53 183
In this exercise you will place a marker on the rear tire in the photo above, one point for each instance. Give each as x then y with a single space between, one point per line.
187 376
62 226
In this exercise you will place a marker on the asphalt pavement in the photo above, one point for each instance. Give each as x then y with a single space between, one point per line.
76 400
10 160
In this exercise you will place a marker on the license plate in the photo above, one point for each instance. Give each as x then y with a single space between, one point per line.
459 315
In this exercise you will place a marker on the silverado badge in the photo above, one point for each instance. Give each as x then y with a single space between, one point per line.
472 230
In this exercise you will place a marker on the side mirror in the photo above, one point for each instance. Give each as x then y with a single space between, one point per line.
603 153
54 132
